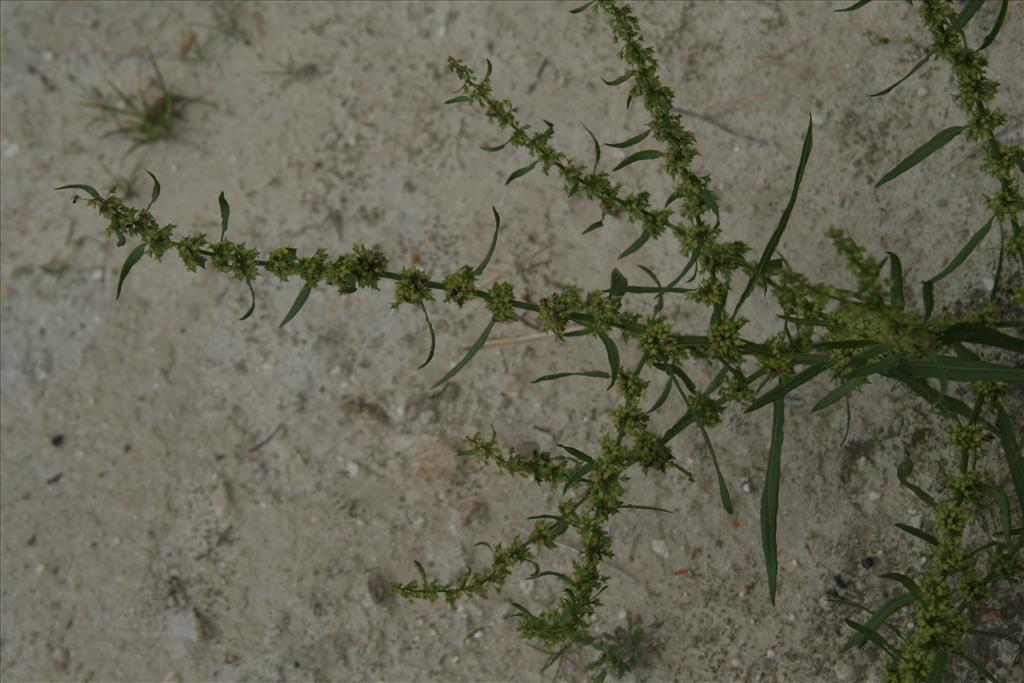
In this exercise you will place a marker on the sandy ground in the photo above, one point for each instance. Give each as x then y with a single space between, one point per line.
190 497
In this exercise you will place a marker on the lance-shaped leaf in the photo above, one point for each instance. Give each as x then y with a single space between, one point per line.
156 191
576 453
578 474
907 583
600 374
457 100
433 339
642 155
773 242
921 153
888 608
1012 454
966 14
636 245
494 242
595 225
918 533
895 281
613 356
582 8
627 506
618 81
903 472
972 244
955 369
636 139
497 148
874 636
619 283
597 148
770 499
1003 6
977 333
839 393
225 214
473 350
788 385
854 7
85 188
252 303
938 670
126 268
297 305
723 489
921 62
519 173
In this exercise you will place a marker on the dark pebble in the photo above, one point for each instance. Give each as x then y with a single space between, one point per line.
867 562
841 582
57 440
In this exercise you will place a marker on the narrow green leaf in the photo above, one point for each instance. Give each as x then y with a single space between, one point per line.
773 242
597 148
962 370
789 384
225 213
928 296
582 8
921 62
156 190
620 80
252 304
494 241
888 608
919 533
938 670
840 392
521 172
903 472
433 339
895 281
619 283
961 256
297 305
723 489
662 398
490 68
921 153
600 374
907 583
497 148
613 356
129 262
874 636
636 139
636 245
645 507
594 226
473 350
85 188
770 499
1003 6
578 474
642 155
854 7
997 634
422 571
976 333
457 100
1003 502
1012 454
577 453
966 14
977 666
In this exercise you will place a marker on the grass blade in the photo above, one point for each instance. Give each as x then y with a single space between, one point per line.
156 191
494 241
770 499
723 490
918 533
225 214
636 245
788 385
252 304
613 356
921 153
895 281
597 148
773 242
642 155
620 80
519 173
966 14
594 226
129 263
636 139
433 339
1003 6
907 583
840 392
85 188
600 374
473 350
582 8
921 62
297 305
888 608
854 7
903 472
966 251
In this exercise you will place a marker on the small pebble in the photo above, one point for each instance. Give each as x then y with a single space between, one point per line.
659 548
377 586
868 562
57 440
843 671
819 119
746 487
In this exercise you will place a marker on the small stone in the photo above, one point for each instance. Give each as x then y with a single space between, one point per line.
221 499
747 486
659 548
843 670
173 677
97 274
921 92
57 440
867 562
818 118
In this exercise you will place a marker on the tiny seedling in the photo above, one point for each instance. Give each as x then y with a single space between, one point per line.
141 119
